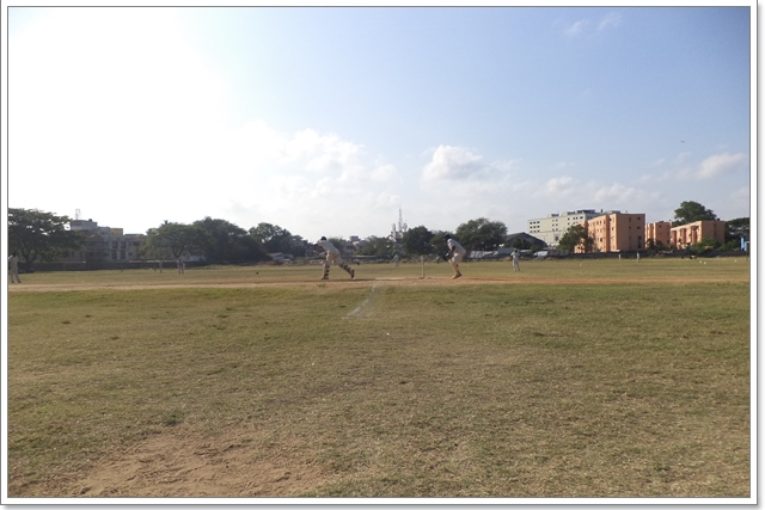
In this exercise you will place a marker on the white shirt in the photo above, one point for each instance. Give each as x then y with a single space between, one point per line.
453 245
328 247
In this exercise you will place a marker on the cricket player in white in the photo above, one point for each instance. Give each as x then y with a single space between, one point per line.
516 264
456 254
13 263
333 256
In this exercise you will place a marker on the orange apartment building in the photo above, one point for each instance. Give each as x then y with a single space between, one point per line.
616 232
659 232
692 233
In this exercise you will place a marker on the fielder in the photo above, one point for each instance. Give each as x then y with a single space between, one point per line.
333 256
13 263
456 254
516 264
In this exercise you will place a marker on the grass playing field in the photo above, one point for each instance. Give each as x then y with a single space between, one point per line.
594 378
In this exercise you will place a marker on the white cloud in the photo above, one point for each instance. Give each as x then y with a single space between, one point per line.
309 182
321 153
569 193
383 172
588 27
683 167
615 193
720 164
559 186
609 21
387 201
452 163
576 28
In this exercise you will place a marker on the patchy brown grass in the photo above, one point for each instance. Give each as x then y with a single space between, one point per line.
383 390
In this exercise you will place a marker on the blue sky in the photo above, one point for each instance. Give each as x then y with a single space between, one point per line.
327 120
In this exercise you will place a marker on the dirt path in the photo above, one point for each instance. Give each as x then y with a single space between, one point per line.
378 282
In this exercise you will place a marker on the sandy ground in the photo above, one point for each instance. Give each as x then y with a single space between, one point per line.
406 282
180 464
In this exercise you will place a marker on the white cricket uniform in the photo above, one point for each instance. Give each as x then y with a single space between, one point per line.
332 253
13 261
333 256
457 251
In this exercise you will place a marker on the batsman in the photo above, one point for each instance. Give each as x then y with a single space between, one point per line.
456 254
333 256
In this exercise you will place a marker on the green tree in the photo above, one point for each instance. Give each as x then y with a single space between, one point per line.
576 235
416 241
736 229
273 238
704 246
481 234
298 246
223 242
39 236
376 247
691 211
175 240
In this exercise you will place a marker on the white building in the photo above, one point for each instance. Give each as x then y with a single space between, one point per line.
551 228
104 244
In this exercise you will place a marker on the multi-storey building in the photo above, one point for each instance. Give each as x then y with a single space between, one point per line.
551 228
683 236
658 233
104 244
616 232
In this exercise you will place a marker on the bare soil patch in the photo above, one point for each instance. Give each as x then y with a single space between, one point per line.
180 462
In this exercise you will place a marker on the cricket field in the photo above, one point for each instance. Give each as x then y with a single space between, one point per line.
596 378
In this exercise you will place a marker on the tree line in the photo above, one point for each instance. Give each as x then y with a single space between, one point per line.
39 236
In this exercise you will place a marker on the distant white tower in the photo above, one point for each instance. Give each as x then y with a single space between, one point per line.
76 214
398 230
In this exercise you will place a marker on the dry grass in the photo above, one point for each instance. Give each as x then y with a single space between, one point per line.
588 390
